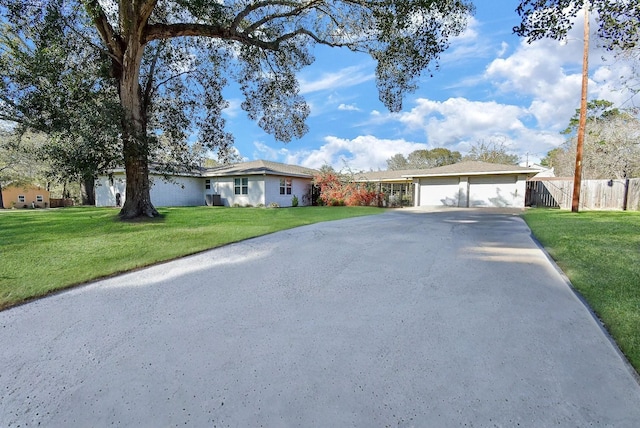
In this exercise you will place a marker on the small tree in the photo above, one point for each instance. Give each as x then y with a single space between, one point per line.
611 146
338 189
422 159
492 152
397 162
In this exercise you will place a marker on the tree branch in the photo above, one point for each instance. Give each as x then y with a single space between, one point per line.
293 12
166 31
146 100
255 6
112 40
146 9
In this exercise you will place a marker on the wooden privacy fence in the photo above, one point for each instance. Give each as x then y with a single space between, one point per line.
594 194
58 203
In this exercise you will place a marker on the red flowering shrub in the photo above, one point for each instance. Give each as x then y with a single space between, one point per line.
337 190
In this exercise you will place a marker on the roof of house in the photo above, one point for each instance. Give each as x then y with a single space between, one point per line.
259 167
391 175
460 168
475 168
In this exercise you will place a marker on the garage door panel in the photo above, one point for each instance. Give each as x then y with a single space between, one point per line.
493 191
440 192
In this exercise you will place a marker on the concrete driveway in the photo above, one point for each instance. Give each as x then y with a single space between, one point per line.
410 318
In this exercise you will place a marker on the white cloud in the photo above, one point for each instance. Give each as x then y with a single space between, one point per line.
361 153
348 107
549 73
504 48
346 77
234 108
517 93
263 151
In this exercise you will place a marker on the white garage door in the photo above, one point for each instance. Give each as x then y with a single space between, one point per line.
439 192
493 191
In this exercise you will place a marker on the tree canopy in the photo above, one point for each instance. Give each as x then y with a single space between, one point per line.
170 60
58 86
611 146
618 21
492 152
423 159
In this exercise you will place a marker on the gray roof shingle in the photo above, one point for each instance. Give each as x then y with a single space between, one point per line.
259 167
460 168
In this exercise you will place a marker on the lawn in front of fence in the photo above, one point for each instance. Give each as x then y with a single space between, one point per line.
600 253
47 250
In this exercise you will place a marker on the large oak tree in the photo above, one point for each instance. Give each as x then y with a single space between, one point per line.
162 52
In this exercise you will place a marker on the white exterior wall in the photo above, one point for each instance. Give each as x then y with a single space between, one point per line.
299 188
106 191
191 191
497 191
472 191
224 186
177 192
180 191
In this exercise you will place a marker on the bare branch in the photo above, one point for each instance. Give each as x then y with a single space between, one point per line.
293 12
146 99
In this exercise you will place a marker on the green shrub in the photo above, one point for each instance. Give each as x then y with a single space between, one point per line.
294 201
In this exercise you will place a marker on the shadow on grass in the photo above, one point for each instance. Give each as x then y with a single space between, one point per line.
161 218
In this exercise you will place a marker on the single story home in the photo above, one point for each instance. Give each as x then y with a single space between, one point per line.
256 183
252 183
25 197
464 184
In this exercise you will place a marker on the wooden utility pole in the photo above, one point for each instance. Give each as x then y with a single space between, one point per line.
577 178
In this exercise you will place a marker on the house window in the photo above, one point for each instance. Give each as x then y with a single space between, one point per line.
21 198
241 186
285 186
207 184
39 198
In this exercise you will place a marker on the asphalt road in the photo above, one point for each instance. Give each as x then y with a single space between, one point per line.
449 318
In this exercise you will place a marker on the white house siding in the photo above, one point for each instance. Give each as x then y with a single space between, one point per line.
106 188
497 191
441 191
224 186
472 191
299 188
177 192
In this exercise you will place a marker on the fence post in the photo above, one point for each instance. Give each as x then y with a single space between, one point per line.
625 199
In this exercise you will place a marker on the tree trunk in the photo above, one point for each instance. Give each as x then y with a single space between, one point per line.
87 191
1 199
136 149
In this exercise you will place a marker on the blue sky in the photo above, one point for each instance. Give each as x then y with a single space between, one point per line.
491 86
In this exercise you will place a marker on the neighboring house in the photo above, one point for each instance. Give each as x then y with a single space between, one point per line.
464 184
543 171
249 183
25 197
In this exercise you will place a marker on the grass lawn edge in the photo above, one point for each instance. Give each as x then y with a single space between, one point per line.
635 371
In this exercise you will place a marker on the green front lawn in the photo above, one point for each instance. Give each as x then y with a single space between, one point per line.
46 250
600 253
